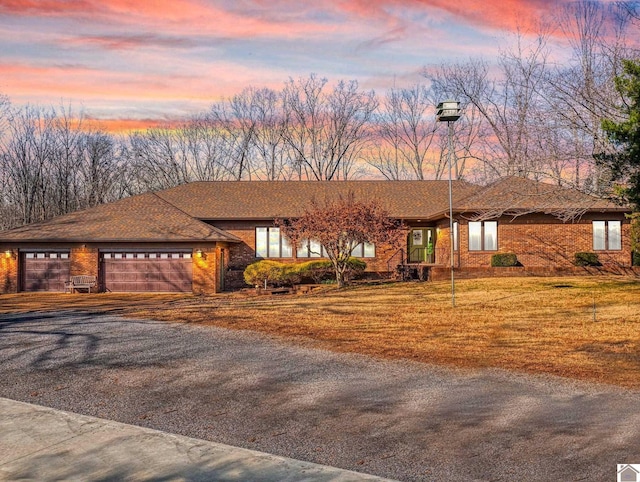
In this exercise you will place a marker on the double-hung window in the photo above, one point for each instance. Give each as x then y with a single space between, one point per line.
483 236
271 244
607 235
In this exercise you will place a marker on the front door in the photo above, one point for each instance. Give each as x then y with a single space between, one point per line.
422 243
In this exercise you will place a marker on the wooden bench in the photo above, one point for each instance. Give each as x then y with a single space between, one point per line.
83 282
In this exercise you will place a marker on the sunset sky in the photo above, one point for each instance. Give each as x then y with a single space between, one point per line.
163 59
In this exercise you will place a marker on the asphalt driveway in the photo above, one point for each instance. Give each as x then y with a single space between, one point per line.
400 420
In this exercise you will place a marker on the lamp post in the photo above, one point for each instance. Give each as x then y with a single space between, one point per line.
449 111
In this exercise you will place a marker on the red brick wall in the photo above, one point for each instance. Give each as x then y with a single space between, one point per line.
8 270
84 260
206 266
242 254
545 242
540 242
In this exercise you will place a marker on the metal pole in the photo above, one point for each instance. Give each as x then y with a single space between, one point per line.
451 237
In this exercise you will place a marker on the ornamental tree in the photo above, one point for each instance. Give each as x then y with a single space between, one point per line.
339 225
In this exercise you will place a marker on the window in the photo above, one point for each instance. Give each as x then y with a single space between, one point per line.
607 235
270 244
311 249
364 250
483 235
455 235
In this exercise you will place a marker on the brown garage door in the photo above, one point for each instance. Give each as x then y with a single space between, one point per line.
45 270
147 272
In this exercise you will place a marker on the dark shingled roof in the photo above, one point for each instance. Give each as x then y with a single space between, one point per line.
516 195
142 218
177 214
284 199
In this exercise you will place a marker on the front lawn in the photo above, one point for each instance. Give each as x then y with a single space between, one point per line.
537 325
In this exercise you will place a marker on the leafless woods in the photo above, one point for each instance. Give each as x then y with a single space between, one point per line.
531 113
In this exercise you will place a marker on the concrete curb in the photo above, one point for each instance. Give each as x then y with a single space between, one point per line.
40 443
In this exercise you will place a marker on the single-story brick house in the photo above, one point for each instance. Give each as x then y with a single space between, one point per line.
199 237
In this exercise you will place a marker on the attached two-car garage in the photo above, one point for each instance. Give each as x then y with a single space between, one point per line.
120 271
148 271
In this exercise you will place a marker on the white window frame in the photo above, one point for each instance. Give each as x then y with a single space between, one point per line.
607 235
456 237
269 249
486 229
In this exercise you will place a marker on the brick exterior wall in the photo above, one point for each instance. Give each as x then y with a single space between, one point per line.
543 244
84 261
206 270
8 270
243 254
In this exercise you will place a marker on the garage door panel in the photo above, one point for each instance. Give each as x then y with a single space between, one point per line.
45 271
148 272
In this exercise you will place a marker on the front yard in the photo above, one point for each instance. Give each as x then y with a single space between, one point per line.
586 328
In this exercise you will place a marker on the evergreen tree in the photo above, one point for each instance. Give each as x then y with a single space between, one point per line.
625 135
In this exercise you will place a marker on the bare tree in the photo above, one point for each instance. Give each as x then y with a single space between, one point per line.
582 91
101 177
406 132
509 105
271 157
327 131
25 159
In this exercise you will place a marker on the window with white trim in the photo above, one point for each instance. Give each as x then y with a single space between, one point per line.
607 235
455 235
271 244
483 235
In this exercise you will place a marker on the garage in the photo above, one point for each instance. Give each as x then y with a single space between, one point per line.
45 270
132 271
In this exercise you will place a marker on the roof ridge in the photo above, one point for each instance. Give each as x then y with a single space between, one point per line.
208 226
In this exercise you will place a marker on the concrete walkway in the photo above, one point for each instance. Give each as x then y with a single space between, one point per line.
40 443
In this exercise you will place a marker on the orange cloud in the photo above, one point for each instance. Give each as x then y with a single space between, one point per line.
123 126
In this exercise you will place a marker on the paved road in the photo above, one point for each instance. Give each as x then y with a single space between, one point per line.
399 420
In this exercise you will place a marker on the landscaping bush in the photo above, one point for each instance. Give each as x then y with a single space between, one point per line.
256 274
586 259
504 260
355 268
288 274
636 258
316 270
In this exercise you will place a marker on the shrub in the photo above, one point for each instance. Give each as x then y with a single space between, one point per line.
256 274
504 260
586 259
316 270
355 268
319 271
636 258
290 274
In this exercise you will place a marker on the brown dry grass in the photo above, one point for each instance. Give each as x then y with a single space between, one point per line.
539 325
